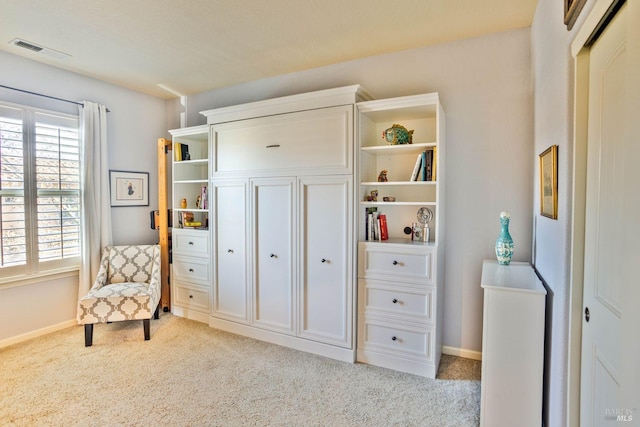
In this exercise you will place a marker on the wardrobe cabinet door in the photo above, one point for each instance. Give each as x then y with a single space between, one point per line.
326 282
230 284
273 218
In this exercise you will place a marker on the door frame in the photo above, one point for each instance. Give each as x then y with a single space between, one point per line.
596 21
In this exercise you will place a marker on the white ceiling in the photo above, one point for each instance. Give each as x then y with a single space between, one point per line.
191 46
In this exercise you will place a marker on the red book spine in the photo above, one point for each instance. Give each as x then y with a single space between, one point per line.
384 232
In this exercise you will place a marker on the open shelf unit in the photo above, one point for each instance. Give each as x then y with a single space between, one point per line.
424 115
190 176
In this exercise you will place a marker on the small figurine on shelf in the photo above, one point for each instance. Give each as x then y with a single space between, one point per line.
383 176
198 202
374 195
183 203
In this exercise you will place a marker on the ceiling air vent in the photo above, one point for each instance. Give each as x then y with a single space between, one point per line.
29 46
41 50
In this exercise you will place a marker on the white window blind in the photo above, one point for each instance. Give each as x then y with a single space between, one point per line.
39 191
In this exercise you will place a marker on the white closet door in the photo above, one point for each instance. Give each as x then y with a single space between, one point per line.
231 297
273 220
326 266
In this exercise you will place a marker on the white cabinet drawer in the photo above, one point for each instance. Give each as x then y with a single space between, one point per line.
190 242
301 140
396 263
191 269
191 297
389 298
399 339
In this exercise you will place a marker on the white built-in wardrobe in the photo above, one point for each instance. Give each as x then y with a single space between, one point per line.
282 221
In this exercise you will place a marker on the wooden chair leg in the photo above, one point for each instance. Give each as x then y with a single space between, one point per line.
146 323
88 334
156 315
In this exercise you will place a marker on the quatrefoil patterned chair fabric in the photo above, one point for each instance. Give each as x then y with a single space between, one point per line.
127 286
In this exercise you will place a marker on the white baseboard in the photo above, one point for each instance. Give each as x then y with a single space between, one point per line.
37 333
461 352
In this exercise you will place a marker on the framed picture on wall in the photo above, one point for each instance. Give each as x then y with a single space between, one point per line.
572 9
549 182
129 188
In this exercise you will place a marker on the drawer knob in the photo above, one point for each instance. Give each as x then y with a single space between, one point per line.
394 338
230 251
395 262
273 256
324 260
191 243
191 270
273 146
395 301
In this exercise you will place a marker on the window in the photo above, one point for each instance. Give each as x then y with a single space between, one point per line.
39 191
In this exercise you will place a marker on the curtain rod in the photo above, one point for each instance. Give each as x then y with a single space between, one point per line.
46 96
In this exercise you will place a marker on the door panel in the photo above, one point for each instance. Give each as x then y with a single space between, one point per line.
273 222
326 266
604 226
230 284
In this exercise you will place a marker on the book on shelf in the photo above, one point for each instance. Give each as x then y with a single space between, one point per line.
435 163
185 152
184 218
416 168
371 214
181 152
384 231
203 202
428 164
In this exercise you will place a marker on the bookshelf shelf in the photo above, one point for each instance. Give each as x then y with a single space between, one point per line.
399 149
197 162
396 183
390 204
190 181
191 210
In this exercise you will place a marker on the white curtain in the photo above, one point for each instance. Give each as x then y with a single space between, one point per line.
96 205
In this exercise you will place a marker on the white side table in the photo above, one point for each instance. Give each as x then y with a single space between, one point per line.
512 345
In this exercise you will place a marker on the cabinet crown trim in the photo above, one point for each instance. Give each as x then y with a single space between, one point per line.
305 101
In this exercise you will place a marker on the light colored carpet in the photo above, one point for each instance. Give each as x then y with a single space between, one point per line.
191 375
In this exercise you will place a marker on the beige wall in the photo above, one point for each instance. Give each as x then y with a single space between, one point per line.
553 74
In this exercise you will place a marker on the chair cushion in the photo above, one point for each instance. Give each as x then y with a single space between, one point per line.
130 264
120 301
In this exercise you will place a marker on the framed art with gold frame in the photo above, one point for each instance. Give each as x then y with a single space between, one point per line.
549 182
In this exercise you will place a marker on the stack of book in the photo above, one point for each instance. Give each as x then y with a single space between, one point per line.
376 225
181 152
186 220
425 166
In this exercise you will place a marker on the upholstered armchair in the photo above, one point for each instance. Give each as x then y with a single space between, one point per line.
127 288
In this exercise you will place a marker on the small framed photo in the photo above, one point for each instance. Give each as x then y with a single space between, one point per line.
549 182
129 188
